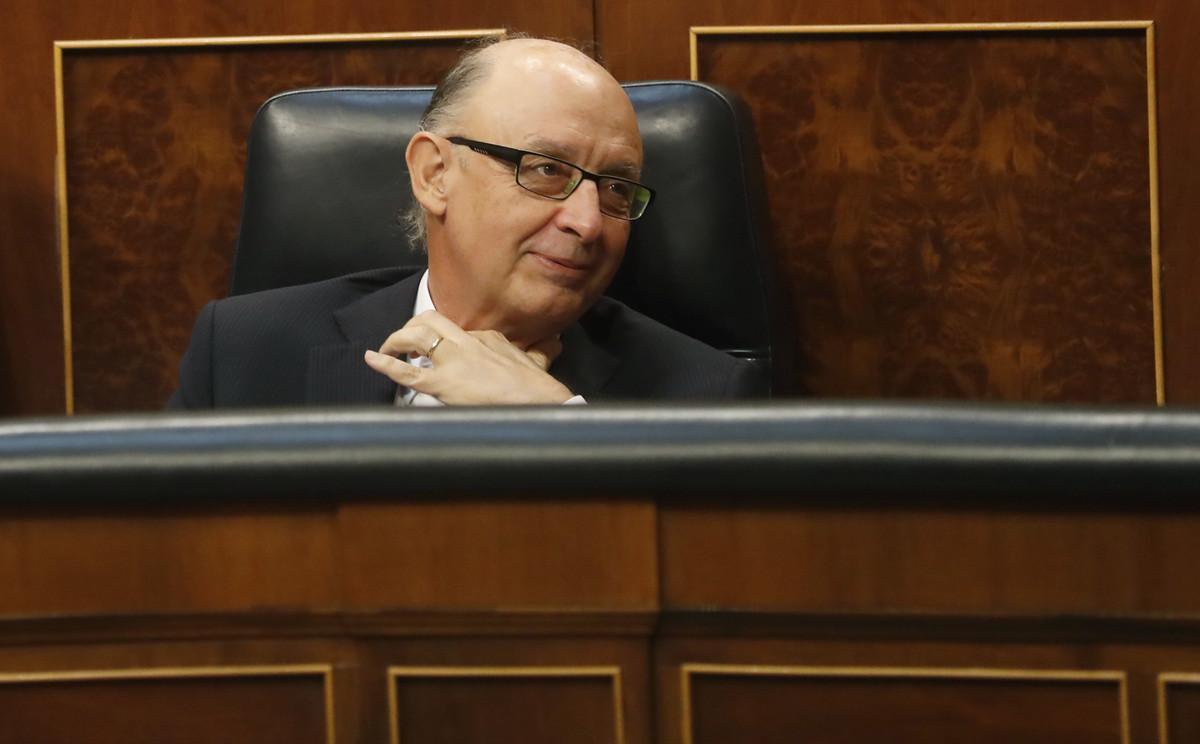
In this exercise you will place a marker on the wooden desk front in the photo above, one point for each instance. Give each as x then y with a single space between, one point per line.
712 575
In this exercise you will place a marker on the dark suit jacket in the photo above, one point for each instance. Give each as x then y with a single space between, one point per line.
304 346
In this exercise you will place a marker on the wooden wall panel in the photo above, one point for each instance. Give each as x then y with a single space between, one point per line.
453 705
958 215
174 706
860 557
433 686
845 705
1179 708
31 349
1103 686
156 147
154 560
640 42
465 554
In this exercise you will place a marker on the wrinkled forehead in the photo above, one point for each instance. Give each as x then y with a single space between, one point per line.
550 95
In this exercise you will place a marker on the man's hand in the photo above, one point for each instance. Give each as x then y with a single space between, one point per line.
469 368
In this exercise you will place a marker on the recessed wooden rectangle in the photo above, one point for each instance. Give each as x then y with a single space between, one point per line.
962 212
836 706
1179 708
289 705
498 705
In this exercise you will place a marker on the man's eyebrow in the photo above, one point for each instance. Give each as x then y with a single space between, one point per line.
624 169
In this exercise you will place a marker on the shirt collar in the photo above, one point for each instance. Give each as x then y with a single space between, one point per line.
424 300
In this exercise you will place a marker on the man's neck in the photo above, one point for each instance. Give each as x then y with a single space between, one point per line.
521 337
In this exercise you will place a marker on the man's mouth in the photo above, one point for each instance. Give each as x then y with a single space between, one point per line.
564 266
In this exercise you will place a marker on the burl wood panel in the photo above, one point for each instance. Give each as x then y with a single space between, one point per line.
478 709
270 708
848 710
958 216
1182 709
862 557
156 142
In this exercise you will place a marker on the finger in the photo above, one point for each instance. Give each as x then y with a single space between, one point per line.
439 324
396 370
411 339
421 333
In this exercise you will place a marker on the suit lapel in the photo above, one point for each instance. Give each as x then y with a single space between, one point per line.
584 366
337 373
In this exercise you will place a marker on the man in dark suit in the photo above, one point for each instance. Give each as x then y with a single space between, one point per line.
525 175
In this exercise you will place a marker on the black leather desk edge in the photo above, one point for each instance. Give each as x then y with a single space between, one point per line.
733 451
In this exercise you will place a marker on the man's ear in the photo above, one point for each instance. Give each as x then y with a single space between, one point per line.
428 160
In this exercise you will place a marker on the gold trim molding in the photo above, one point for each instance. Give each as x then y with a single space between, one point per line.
1147 27
687 671
325 671
1165 679
60 160
394 673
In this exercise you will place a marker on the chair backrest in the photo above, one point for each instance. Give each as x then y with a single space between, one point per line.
326 181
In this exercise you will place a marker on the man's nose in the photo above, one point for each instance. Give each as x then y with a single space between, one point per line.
580 212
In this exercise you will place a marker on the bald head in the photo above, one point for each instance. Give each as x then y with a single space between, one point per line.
521 67
521 62
532 54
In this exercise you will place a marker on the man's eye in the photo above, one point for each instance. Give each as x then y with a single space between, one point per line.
619 190
550 169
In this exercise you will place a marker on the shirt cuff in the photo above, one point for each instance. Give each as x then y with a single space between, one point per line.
575 400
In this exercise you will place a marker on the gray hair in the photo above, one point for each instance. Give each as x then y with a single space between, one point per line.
448 98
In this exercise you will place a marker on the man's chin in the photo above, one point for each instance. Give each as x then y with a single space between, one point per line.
536 318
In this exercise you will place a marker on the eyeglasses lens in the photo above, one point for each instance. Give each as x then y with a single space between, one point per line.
557 180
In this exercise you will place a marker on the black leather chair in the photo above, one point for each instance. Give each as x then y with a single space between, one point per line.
326 181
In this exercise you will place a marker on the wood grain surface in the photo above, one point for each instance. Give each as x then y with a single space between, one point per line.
166 710
466 554
137 560
1089 709
904 707
1181 710
859 556
958 215
366 584
480 707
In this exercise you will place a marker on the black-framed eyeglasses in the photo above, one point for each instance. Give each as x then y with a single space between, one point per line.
557 179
